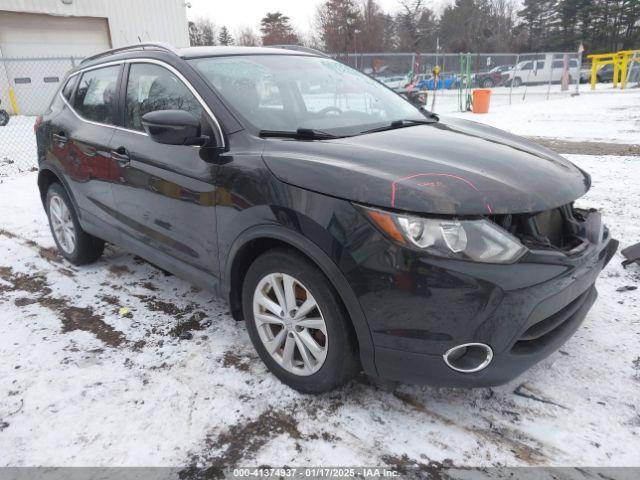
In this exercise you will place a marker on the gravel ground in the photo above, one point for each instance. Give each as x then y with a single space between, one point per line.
589 148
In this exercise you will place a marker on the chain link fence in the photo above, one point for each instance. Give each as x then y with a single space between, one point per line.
27 86
511 77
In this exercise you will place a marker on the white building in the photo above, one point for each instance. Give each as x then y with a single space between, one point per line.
74 28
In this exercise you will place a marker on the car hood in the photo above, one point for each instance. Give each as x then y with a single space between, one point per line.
451 167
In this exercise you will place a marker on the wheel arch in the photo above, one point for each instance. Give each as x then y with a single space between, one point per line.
48 175
257 240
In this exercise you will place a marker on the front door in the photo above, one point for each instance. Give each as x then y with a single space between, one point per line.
166 194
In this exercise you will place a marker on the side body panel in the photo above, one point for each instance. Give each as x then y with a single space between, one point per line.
165 198
78 150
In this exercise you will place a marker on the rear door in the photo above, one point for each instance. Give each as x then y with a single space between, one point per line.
166 193
80 138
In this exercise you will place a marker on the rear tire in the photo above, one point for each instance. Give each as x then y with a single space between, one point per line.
4 118
73 243
331 358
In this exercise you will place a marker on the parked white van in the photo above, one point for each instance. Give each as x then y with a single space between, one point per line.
540 71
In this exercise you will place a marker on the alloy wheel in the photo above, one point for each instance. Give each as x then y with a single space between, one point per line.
62 224
290 324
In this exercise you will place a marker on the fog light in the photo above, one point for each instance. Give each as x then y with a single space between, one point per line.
468 357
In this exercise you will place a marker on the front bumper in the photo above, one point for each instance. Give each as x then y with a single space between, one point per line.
420 308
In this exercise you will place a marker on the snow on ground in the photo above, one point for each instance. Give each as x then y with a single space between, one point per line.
605 115
176 381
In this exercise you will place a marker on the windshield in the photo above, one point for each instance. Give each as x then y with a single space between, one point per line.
291 92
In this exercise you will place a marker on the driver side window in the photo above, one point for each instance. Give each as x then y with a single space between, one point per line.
152 87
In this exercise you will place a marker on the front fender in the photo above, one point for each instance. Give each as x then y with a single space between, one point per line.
326 265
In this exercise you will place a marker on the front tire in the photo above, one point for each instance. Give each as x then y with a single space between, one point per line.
517 82
297 324
76 245
488 83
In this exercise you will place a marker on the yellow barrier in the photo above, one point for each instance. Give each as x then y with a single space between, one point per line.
620 62
14 103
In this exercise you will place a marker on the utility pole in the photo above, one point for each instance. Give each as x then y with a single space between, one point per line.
355 46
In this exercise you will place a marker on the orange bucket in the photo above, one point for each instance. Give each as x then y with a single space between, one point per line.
481 100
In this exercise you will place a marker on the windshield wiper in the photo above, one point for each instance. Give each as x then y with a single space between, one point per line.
301 133
399 124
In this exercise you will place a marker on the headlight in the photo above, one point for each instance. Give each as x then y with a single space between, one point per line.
476 240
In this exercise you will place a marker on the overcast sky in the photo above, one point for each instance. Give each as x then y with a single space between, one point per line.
238 13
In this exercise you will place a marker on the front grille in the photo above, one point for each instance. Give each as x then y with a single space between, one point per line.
561 228
541 333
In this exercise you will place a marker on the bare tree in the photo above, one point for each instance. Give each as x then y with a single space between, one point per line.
417 26
202 31
337 22
372 33
247 37
501 16
479 26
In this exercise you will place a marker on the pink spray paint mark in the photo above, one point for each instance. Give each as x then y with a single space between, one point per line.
448 175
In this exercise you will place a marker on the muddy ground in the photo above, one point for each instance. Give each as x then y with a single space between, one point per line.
588 148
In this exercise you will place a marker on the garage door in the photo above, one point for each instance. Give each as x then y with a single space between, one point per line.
34 34
38 35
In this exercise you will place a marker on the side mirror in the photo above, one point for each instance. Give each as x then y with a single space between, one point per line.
173 127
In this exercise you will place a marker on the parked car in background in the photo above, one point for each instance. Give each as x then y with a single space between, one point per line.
350 231
446 81
4 116
492 78
542 70
415 96
605 73
585 74
394 82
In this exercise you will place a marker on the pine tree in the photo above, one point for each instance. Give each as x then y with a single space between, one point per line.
276 30
225 38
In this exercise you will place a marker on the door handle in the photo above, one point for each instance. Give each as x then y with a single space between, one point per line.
120 155
60 137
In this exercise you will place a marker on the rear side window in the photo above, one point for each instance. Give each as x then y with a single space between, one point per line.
95 98
67 90
152 87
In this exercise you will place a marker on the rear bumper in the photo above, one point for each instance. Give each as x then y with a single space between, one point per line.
522 326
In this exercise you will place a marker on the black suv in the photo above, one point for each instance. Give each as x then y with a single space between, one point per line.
350 229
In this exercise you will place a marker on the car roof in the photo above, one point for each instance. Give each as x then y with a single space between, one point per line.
199 52
158 50
144 49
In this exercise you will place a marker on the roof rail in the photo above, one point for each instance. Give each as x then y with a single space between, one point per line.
299 48
136 46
